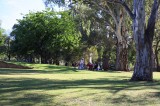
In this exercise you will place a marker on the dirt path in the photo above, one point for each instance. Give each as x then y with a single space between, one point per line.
10 65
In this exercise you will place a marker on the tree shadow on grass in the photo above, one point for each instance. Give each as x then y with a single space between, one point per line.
13 85
142 100
29 99
8 71
20 84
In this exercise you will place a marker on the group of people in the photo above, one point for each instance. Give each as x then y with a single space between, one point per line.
94 66
89 66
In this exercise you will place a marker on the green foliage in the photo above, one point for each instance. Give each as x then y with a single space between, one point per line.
3 43
91 23
58 2
2 36
45 33
91 51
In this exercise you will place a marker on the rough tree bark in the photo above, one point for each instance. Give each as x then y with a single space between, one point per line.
143 37
121 47
121 51
143 67
143 40
117 15
156 55
121 57
105 60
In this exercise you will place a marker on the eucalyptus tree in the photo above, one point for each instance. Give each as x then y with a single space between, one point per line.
143 36
117 14
117 24
93 23
156 44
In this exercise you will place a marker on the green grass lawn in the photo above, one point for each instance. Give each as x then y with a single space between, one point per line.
49 85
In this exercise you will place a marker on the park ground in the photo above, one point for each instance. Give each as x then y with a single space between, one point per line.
50 85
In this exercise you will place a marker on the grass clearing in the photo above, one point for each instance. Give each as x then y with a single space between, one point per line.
50 85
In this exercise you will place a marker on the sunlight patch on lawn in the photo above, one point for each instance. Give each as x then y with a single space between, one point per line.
52 85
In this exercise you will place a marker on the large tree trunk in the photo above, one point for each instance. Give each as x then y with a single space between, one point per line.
143 66
143 41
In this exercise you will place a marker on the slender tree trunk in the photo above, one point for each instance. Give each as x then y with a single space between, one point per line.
90 57
157 63
105 60
121 57
156 56
8 50
99 51
9 57
121 51
40 59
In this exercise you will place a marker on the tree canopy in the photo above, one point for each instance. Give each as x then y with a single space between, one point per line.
46 34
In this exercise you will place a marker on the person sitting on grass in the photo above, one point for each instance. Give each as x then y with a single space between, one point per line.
81 64
90 66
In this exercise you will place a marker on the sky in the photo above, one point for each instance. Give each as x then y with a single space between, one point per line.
10 10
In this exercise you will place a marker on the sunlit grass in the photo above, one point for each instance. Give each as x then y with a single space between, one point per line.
50 85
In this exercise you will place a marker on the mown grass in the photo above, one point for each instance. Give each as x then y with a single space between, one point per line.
50 85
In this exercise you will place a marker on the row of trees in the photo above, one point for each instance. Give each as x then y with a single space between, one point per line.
98 27
143 33
143 17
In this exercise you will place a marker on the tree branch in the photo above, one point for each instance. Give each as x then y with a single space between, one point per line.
152 20
153 15
109 11
123 3
112 14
